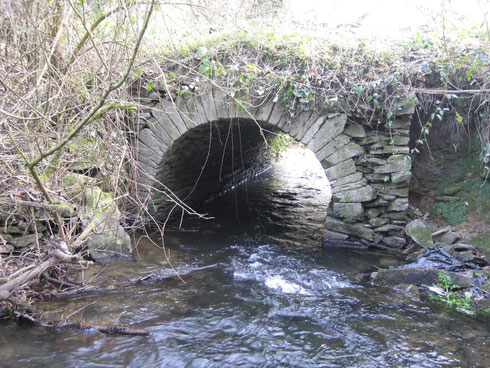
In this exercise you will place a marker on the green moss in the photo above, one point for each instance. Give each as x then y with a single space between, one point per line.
476 192
452 212
483 243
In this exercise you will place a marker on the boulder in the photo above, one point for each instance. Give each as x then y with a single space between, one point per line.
394 242
417 276
419 233
449 237
25 241
100 217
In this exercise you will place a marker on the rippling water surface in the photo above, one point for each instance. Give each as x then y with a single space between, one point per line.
258 290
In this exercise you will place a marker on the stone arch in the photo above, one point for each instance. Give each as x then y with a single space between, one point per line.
367 166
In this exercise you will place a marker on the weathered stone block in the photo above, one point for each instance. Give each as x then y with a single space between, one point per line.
350 229
406 107
373 212
328 234
181 108
221 103
363 194
388 197
351 211
329 130
172 113
355 131
378 221
399 204
396 149
152 141
388 227
351 186
399 192
449 237
397 216
353 178
401 177
394 164
333 146
348 151
312 130
394 242
164 124
276 115
340 170
264 111
399 140
299 121
207 100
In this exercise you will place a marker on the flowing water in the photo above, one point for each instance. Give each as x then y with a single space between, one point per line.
258 290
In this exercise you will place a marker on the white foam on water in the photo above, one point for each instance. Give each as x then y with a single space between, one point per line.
278 283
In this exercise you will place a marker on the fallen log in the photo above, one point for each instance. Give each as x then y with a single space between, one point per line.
56 256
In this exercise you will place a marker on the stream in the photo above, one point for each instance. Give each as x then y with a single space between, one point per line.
255 288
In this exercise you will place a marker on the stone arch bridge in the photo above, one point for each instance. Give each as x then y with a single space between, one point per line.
200 144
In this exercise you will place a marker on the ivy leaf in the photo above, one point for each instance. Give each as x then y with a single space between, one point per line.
203 69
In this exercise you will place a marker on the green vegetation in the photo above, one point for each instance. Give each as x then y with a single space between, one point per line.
451 297
452 212
280 143
463 188
483 243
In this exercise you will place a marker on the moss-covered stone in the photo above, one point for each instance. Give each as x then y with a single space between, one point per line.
453 189
419 233
417 276
74 184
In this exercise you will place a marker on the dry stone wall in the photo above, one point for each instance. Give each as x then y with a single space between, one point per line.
368 165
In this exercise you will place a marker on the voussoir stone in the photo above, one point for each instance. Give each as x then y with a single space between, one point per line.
348 151
329 130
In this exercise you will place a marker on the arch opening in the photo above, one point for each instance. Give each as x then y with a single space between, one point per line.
227 171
